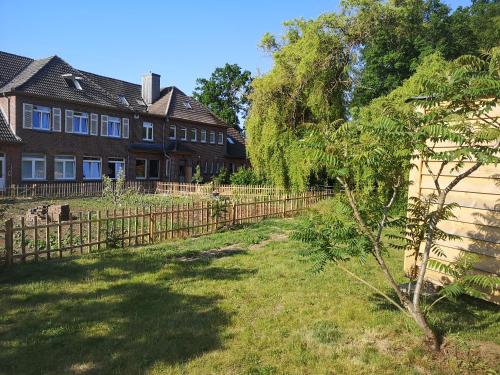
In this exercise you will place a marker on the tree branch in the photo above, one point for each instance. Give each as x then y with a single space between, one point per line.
353 275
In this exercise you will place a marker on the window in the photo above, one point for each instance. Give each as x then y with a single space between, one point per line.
203 137
72 81
172 132
194 135
230 140
64 168
140 169
91 168
206 166
154 169
114 127
41 117
147 131
183 134
212 137
80 123
116 166
187 105
221 138
212 167
33 167
123 100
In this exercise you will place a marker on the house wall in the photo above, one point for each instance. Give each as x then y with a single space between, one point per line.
477 221
52 143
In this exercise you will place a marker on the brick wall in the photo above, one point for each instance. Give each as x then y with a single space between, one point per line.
52 143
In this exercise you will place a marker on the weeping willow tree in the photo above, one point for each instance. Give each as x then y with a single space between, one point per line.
306 87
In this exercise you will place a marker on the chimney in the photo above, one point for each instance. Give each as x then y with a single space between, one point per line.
150 87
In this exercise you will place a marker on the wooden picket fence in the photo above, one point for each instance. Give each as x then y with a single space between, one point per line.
93 189
95 231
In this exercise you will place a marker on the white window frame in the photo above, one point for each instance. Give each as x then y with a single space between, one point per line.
92 159
194 132
117 160
118 125
203 136
33 159
183 134
64 159
174 128
145 169
212 137
37 111
220 141
79 116
148 126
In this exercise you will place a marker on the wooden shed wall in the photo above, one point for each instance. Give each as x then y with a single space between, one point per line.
477 217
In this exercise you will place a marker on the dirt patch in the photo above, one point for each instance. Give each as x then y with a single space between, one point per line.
276 237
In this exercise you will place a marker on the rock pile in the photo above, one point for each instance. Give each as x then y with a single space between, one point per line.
55 212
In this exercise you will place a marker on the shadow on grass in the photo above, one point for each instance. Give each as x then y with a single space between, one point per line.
117 315
466 315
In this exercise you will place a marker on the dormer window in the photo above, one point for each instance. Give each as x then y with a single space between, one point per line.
187 105
73 81
123 100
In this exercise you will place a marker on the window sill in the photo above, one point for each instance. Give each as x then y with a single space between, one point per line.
65 179
147 140
34 179
40 130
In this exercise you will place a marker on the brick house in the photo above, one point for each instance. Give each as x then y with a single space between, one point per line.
58 123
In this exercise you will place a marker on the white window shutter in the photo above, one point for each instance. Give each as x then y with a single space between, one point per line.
94 123
125 127
56 119
69 121
27 116
104 125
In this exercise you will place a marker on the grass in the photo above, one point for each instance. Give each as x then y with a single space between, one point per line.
178 308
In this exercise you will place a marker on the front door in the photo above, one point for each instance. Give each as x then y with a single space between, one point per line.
2 172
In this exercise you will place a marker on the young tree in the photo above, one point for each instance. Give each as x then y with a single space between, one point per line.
225 93
197 176
371 156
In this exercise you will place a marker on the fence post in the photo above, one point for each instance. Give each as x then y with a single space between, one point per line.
152 226
283 214
9 241
233 214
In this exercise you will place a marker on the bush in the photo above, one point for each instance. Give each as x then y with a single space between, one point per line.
221 178
245 176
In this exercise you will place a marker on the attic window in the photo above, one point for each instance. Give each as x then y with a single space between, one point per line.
72 81
123 100
230 140
187 105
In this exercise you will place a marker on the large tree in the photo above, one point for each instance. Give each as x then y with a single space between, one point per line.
411 30
225 93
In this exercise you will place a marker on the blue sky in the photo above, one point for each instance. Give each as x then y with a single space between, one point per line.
181 40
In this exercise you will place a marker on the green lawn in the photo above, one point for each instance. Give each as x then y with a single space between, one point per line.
180 308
